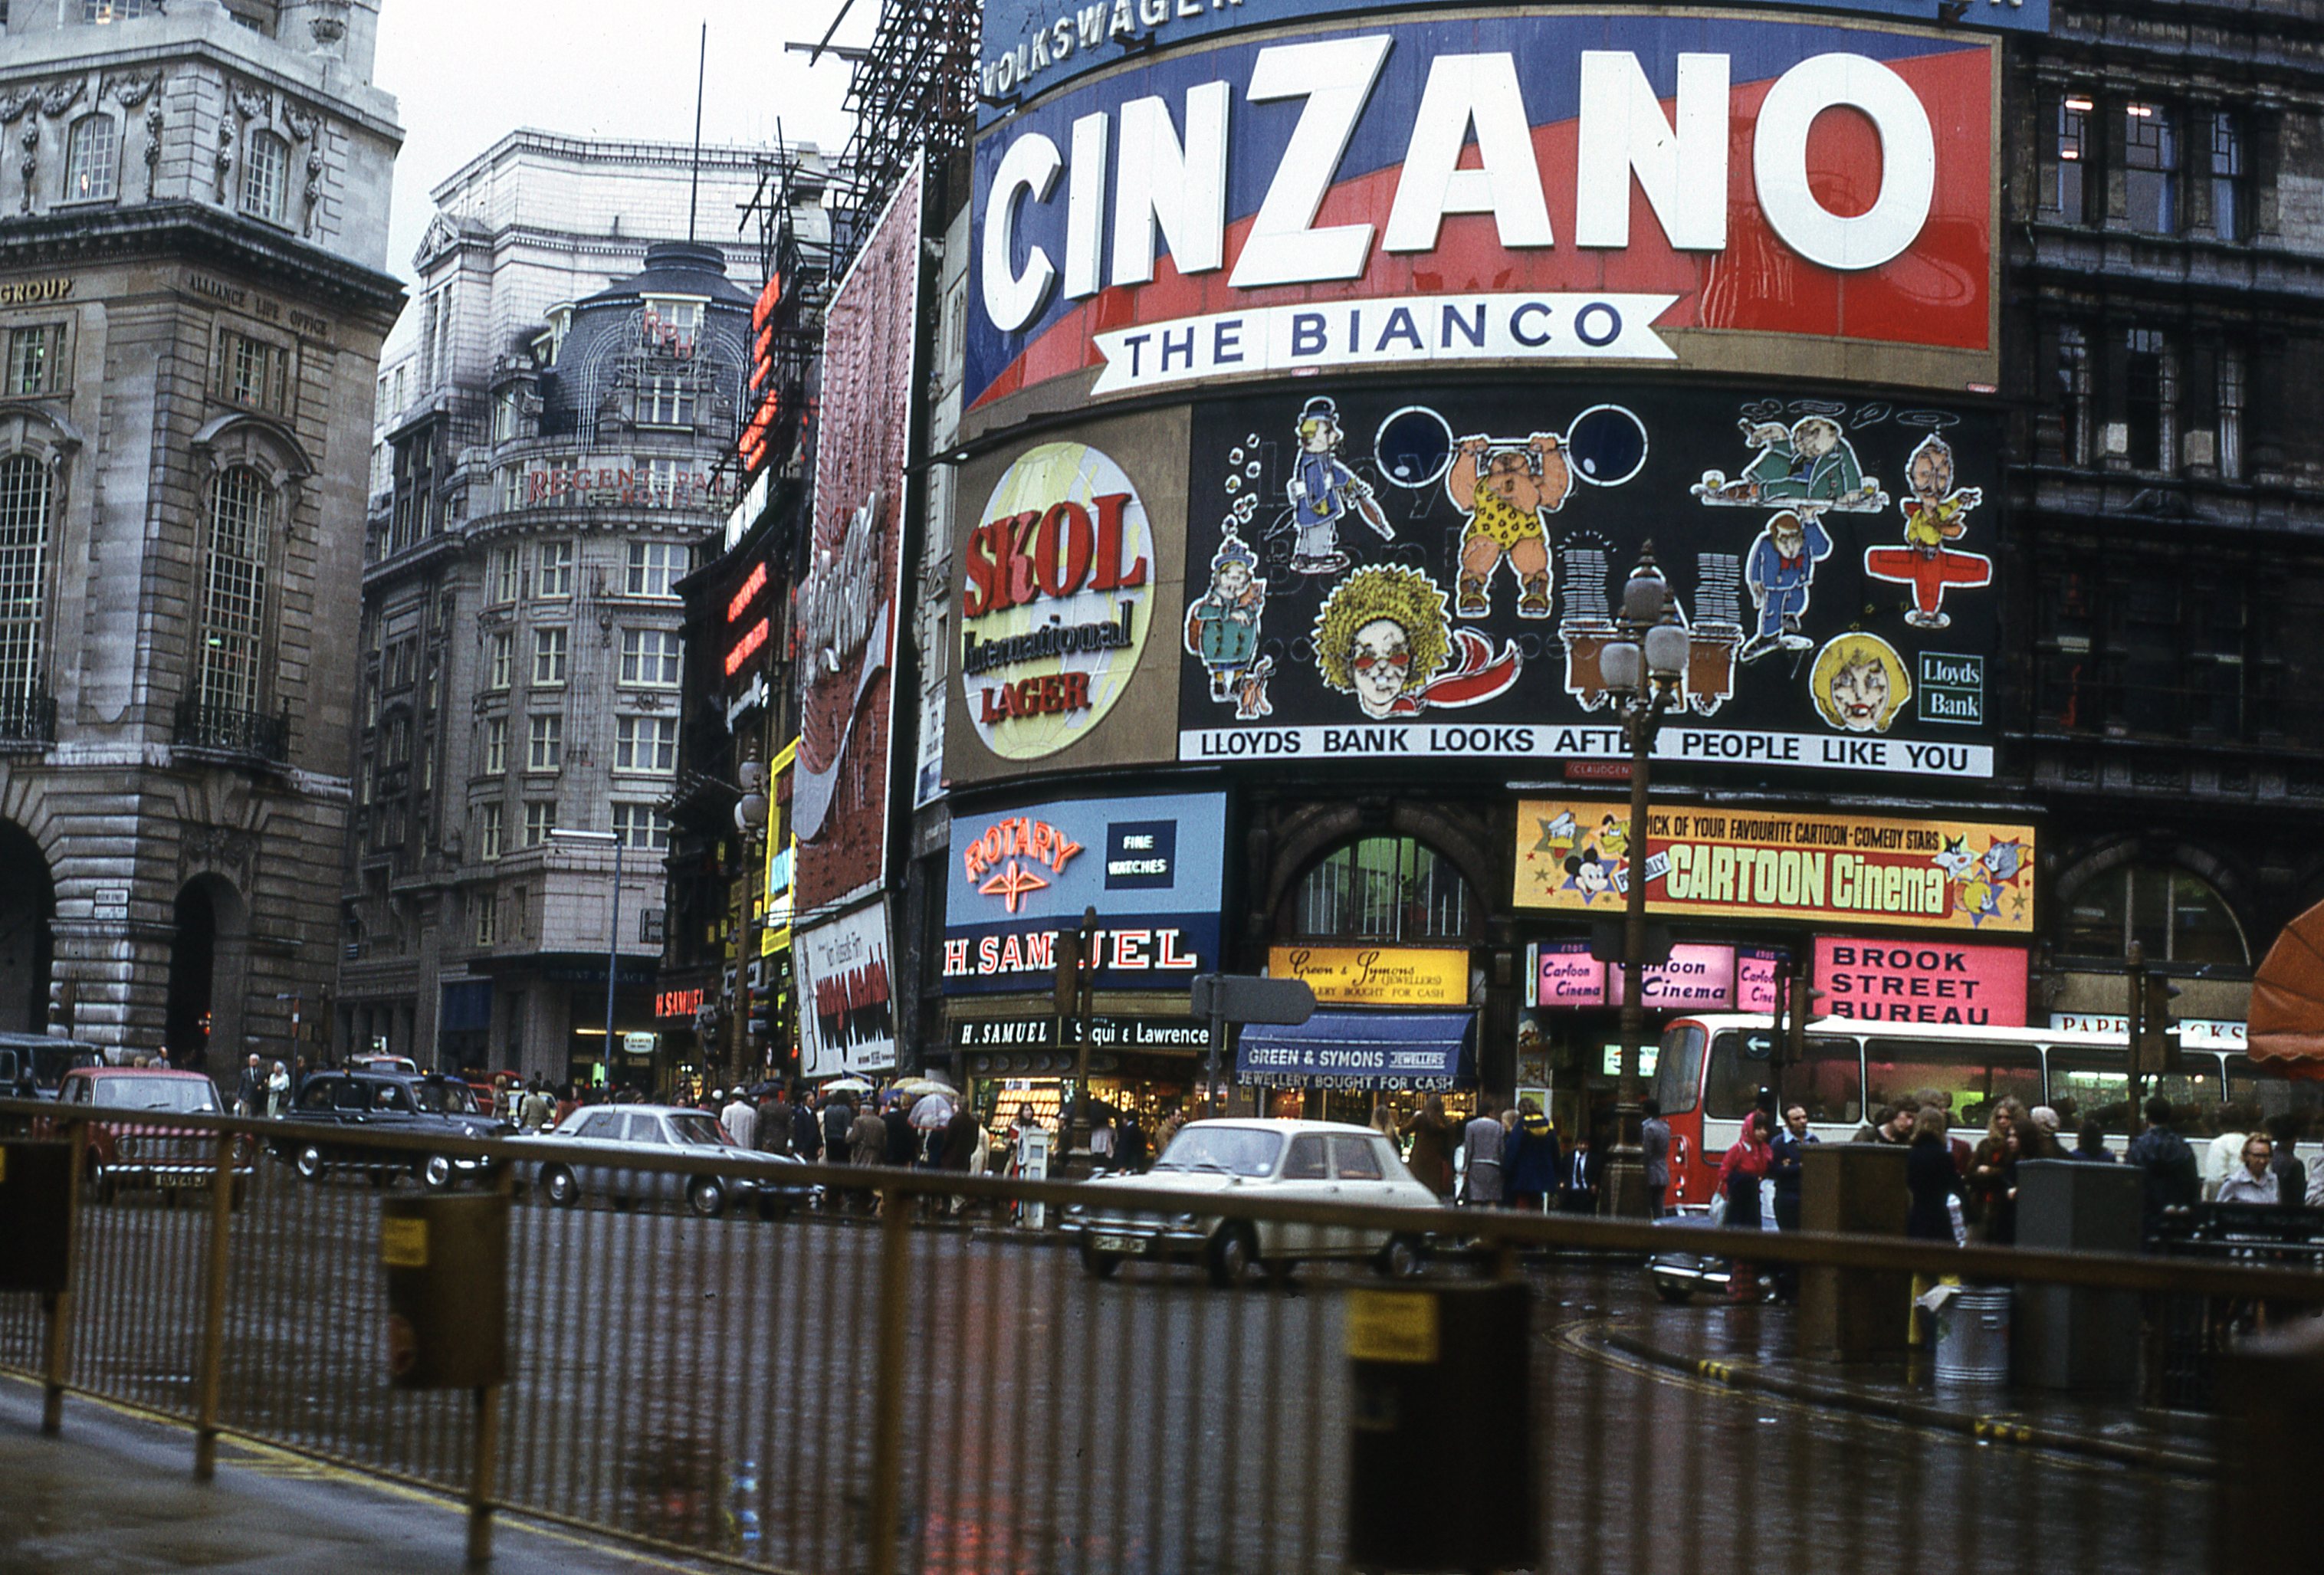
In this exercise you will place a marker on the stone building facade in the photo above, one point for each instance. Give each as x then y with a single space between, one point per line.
549 454
192 297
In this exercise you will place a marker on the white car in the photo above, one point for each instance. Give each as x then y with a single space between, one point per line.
1325 1162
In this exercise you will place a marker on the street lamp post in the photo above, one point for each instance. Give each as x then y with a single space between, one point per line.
612 926
1643 670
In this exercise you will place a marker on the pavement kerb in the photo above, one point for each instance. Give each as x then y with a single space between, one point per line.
1991 1427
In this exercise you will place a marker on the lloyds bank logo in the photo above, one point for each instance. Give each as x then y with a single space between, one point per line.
1952 689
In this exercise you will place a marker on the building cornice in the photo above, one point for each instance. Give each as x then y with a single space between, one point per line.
192 232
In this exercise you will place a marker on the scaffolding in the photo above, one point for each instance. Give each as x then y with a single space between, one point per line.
914 90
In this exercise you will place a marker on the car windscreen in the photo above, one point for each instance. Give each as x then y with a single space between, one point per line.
695 1128
1238 1150
156 1094
445 1099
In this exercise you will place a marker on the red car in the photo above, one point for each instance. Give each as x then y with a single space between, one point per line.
126 1153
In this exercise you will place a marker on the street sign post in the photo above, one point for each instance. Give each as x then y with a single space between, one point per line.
1242 998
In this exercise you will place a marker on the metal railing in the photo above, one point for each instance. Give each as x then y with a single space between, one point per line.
28 719
230 730
903 1377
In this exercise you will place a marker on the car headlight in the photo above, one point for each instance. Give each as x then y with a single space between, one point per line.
1075 1211
126 1148
1181 1221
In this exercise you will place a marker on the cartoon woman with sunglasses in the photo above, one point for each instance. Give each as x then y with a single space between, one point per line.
1382 636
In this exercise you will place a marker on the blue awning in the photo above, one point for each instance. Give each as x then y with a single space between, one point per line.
1350 1050
467 1006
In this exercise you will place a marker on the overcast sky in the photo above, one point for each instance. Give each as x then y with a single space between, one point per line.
466 72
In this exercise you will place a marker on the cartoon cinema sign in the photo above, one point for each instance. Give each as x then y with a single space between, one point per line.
1251 207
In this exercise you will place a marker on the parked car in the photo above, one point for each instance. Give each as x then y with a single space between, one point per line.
1323 1161
31 1065
415 1106
564 1179
127 1154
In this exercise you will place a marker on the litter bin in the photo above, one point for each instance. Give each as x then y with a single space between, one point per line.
1973 1336
447 1262
35 1216
1441 1416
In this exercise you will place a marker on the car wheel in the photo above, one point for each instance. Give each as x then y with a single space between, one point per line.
1399 1259
706 1198
436 1174
1231 1255
1099 1265
558 1185
310 1164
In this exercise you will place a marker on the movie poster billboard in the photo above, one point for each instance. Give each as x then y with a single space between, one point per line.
848 612
1701 190
1971 876
846 1015
1384 573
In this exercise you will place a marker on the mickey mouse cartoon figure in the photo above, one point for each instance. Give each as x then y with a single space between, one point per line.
1590 874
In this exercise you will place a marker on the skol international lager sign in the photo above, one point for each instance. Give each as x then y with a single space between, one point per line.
1973 875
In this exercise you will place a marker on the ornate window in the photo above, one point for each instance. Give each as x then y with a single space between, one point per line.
2175 916
544 743
92 154
1384 888
266 178
104 11
549 653
650 657
496 734
646 744
491 830
642 826
35 359
26 546
499 660
234 591
653 568
538 817
2150 160
554 580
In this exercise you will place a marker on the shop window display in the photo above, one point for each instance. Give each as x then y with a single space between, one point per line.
1384 888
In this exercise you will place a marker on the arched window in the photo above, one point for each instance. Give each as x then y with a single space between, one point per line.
25 548
1384 888
2175 916
234 591
92 151
266 178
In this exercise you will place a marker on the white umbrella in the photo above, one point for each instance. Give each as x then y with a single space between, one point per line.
847 1085
933 1111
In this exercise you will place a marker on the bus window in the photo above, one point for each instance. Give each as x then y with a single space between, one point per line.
2276 1096
1974 1075
1733 1083
1827 1084
1678 1068
2086 1082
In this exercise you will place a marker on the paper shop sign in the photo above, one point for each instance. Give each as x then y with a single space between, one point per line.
1971 876
1377 975
1886 980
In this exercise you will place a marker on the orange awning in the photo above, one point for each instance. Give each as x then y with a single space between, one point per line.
2287 1008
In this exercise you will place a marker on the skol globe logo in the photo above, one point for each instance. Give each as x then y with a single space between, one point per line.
1057 580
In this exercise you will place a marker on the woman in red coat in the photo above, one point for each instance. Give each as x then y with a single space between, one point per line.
1739 1176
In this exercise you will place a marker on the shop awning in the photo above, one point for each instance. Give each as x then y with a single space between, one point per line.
2287 1008
1350 1050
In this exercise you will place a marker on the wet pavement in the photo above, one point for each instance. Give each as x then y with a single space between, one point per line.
708 1384
115 1495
